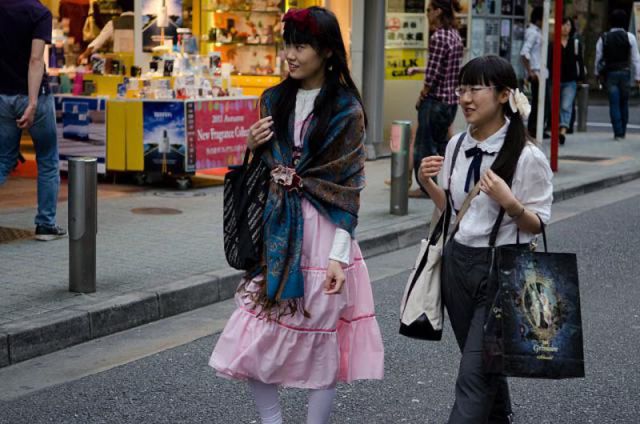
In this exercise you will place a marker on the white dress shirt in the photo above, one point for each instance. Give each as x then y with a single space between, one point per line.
635 56
532 47
531 185
305 99
106 34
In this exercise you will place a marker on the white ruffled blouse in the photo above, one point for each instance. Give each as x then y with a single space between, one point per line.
532 186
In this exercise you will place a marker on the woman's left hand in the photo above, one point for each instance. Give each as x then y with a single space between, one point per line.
496 188
335 278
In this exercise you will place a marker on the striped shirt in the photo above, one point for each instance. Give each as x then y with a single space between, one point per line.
445 58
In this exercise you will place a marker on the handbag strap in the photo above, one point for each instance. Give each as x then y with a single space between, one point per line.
449 199
247 154
435 218
543 230
544 233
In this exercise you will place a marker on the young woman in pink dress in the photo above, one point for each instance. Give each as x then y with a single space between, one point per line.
306 319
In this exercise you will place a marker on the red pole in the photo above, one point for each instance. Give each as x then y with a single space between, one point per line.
555 86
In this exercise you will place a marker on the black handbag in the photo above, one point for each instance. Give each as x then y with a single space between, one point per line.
533 327
245 195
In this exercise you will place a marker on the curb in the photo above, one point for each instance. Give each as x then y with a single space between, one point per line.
53 331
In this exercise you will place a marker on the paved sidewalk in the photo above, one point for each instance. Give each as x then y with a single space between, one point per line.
152 266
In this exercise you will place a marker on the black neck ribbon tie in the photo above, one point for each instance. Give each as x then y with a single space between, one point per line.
474 167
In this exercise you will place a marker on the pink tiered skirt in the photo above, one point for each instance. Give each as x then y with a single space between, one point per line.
341 341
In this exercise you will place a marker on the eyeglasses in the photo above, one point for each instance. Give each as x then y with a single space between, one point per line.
473 90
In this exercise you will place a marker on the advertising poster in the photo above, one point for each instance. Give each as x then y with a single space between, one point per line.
507 7
477 37
221 129
164 137
492 37
398 61
517 40
406 6
492 7
81 128
405 31
151 32
505 39
519 7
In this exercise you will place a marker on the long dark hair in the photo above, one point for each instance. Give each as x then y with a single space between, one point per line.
496 71
449 9
573 31
323 37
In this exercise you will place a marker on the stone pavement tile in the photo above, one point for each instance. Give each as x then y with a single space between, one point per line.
4 350
187 294
228 280
46 333
120 313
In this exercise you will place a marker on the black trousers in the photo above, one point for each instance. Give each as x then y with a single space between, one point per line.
480 398
533 117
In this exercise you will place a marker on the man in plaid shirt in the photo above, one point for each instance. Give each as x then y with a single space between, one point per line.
438 102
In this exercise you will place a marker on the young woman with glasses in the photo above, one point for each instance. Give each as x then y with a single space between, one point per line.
513 175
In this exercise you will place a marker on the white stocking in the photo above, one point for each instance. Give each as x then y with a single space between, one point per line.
320 404
267 401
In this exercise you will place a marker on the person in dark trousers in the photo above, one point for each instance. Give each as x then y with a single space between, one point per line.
513 174
438 103
580 40
616 53
25 103
531 57
572 72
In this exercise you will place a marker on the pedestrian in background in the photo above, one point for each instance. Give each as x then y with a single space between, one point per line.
616 54
531 57
306 319
438 103
572 72
26 104
514 176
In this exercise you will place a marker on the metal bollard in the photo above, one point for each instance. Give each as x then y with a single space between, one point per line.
400 136
583 106
83 224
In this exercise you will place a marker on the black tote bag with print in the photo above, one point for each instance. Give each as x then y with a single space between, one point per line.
245 196
534 326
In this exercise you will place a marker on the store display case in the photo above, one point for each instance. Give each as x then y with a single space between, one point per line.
246 34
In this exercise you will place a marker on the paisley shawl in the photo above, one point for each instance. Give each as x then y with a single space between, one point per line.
332 178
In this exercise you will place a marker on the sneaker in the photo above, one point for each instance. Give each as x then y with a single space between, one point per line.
44 233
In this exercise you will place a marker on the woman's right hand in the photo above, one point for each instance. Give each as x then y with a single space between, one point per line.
430 167
260 133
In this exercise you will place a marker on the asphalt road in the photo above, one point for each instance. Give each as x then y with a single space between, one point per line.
177 386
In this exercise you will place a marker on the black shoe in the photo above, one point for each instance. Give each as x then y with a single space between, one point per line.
44 233
562 139
546 135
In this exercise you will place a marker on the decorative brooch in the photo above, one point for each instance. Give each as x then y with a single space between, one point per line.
286 177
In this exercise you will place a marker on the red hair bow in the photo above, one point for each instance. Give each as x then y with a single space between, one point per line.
303 20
